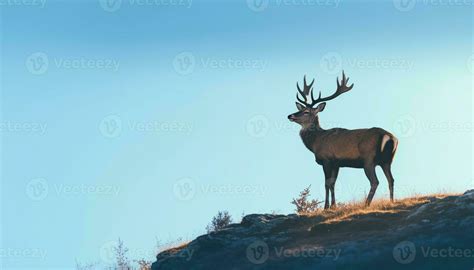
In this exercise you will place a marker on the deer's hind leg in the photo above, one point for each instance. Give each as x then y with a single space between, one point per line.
374 182
387 170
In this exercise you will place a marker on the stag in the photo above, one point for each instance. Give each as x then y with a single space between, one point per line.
338 147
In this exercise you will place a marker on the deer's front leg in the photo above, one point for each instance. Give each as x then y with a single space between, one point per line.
334 173
329 182
326 204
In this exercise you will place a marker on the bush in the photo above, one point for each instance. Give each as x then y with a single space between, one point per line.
121 256
87 266
220 221
121 261
143 264
303 205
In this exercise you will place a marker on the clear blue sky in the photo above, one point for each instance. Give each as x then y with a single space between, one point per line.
141 121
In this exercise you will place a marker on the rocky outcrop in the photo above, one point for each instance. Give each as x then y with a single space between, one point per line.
430 233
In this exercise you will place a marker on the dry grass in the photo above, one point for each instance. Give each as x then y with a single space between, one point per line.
173 248
347 211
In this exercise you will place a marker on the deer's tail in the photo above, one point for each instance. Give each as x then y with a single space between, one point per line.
389 146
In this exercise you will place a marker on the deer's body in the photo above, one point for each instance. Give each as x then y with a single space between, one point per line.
348 148
338 147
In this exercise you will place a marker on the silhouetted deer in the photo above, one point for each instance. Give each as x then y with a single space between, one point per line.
338 147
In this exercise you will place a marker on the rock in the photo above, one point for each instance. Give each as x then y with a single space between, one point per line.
418 211
469 192
259 219
403 238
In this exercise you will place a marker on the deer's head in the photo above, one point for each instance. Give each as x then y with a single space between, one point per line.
307 112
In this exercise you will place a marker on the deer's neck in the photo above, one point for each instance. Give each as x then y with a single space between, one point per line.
310 133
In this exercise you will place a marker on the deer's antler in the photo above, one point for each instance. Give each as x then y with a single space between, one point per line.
341 88
308 91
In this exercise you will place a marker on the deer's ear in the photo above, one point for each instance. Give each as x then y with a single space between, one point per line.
321 107
299 106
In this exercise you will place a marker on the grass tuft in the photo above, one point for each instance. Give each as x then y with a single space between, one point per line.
347 211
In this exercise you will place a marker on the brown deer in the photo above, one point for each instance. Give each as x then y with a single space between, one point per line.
338 147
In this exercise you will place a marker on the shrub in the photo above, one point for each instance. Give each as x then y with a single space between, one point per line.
87 266
302 203
220 221
143 264
121 256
